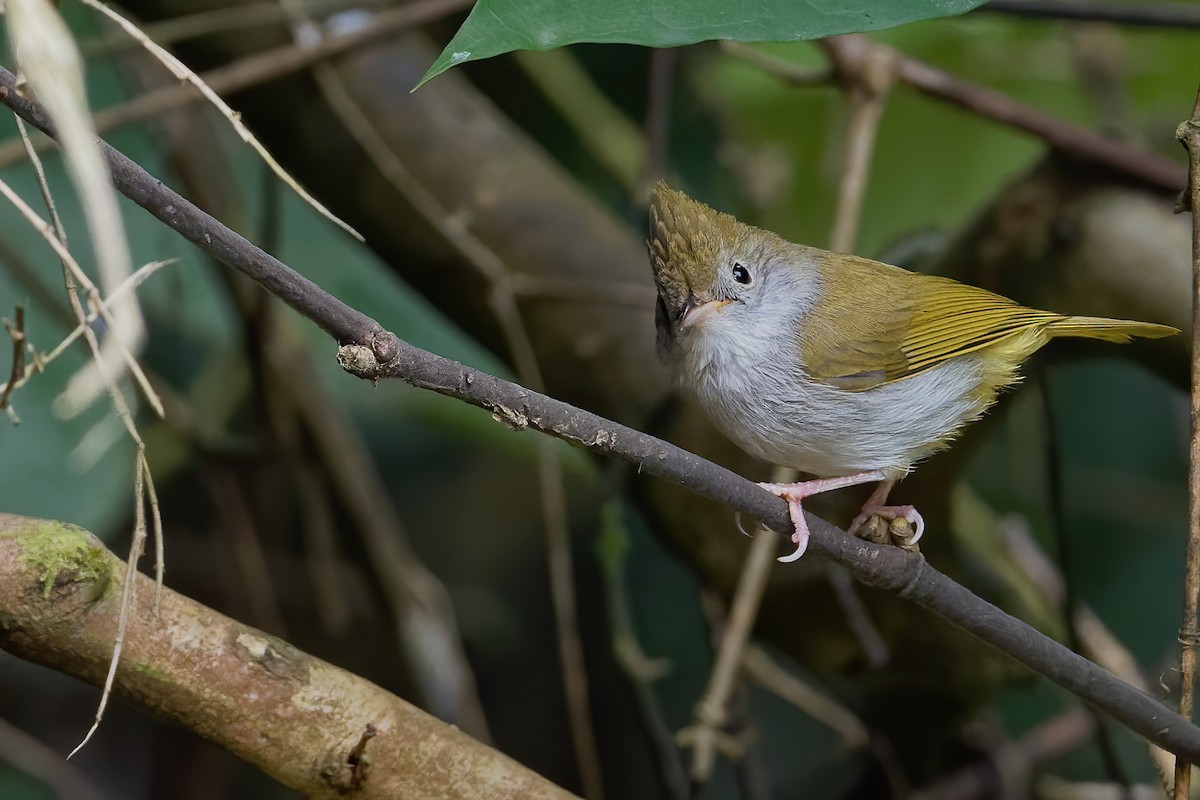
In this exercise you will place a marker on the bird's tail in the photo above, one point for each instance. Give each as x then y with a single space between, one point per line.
1109 330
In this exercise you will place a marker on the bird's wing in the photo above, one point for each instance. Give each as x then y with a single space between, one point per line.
876 323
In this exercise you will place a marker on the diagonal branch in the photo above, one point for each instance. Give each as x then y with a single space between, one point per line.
1140 14
308 724
371 352
855 52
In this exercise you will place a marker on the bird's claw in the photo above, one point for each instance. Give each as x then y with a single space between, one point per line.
801 546
796 512
891 513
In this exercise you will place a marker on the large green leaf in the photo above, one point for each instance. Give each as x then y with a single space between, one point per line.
501 26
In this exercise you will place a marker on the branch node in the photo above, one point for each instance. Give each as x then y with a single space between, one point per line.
385 346
359 360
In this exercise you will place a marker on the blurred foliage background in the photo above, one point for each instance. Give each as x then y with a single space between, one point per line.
1087 459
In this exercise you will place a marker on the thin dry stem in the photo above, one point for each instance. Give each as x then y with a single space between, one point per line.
72 397
641 670
42 360
871 76
706 735
39 171
566 619
128 591
156 524
790 71
867 80
874 647
184 73
1082 143
764 671
16 331
1189 628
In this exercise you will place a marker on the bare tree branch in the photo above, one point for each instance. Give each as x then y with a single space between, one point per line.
857 51
308 724
1163 15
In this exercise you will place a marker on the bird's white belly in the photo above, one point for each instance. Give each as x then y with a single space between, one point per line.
784 417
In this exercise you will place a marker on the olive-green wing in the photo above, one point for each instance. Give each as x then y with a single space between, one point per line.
876 323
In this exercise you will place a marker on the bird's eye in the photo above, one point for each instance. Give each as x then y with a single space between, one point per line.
741 274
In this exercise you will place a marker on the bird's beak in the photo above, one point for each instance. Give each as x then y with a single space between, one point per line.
697 312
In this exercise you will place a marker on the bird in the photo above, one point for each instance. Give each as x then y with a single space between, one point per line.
848 369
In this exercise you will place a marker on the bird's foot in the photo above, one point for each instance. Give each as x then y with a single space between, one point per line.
796 510
891 513
795 494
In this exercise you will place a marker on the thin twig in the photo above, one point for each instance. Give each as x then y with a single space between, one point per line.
1071 139
128 586
42 360
868 77
641 670
1175 15
764 671
1189 629
1082 143
73 272
16 330
858 618
778 66
160 564
372 353
706 733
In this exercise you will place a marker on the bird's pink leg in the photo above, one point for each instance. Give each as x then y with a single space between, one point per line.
795 493
875 507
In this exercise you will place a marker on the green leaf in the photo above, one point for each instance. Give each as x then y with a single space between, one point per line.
501 26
